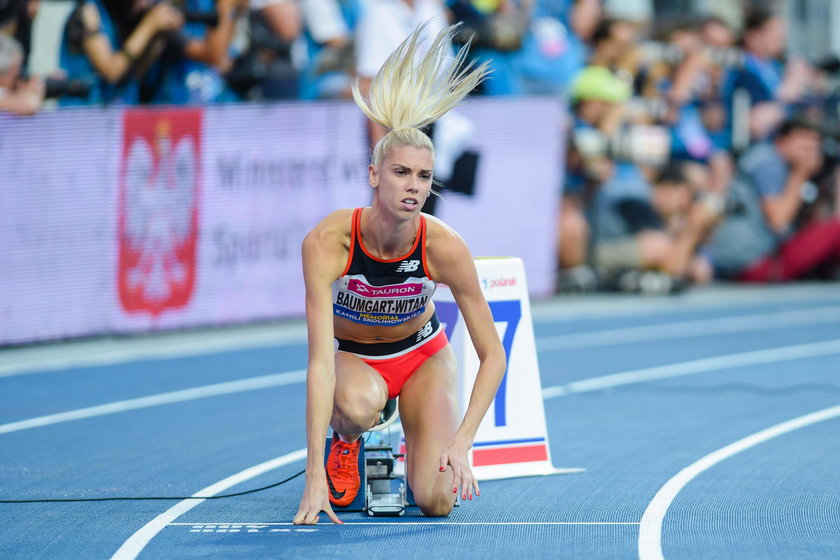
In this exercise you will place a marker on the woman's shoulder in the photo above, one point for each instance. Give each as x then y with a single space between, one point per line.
442 241
337 219
437 228
334 227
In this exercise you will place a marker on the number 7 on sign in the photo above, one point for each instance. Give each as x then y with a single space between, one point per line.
505 311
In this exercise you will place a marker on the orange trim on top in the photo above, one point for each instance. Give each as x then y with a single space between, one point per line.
420 231
353 232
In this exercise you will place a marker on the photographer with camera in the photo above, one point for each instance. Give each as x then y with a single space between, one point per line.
112 43
17 95
683 75
629 231
766 237
265 70
773 86
328 35
192 67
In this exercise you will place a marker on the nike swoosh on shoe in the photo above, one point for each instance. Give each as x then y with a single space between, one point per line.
333 492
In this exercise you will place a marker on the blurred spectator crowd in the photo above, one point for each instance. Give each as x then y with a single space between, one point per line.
696 148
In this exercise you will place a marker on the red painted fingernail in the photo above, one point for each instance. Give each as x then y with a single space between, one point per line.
463 496
455 490
478 493
442 469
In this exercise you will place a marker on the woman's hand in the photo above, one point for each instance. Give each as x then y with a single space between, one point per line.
455 456
315 500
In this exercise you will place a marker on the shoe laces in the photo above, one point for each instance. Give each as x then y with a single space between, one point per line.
347 455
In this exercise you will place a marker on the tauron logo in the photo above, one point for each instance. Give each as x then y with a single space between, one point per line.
408 266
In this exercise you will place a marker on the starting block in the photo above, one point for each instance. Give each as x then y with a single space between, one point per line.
386 493
382 491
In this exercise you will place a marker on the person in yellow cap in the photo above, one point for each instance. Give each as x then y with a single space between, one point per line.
597 98
599 83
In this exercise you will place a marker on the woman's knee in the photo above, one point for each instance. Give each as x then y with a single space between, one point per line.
435 504
353 408
359 395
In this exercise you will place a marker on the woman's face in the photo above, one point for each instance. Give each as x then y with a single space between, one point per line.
403 179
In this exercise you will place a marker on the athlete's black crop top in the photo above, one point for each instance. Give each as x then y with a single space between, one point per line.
373 291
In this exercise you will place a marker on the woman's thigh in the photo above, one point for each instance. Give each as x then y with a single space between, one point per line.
360 393
430 416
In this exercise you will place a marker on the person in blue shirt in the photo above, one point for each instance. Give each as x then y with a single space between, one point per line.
328 34
772 236
109 44
773 87
554 49
191 70
533 49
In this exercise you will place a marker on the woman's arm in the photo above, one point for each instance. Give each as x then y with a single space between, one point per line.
322 253
450 263
113 65
213 48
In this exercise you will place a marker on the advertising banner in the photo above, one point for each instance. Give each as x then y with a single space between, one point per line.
57 225
125 220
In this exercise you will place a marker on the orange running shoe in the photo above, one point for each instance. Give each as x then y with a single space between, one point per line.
343 471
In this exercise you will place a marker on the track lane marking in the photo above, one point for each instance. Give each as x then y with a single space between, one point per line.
138 541
785 353
205 391
687 329
100 354
46 358
399 523
650 530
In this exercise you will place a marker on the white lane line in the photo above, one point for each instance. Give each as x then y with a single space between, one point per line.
426 523
586 385
74 355
96 353
650 531
227 388
695 366
686 329
138 541
721 296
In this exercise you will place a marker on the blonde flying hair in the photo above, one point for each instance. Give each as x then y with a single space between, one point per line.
406 95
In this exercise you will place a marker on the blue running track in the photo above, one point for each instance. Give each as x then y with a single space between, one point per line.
708 425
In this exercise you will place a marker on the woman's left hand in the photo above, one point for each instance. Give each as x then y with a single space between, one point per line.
455 456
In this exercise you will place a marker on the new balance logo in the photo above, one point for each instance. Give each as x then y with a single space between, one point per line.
408 266
425 331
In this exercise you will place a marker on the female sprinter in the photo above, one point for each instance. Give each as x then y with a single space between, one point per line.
370 274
